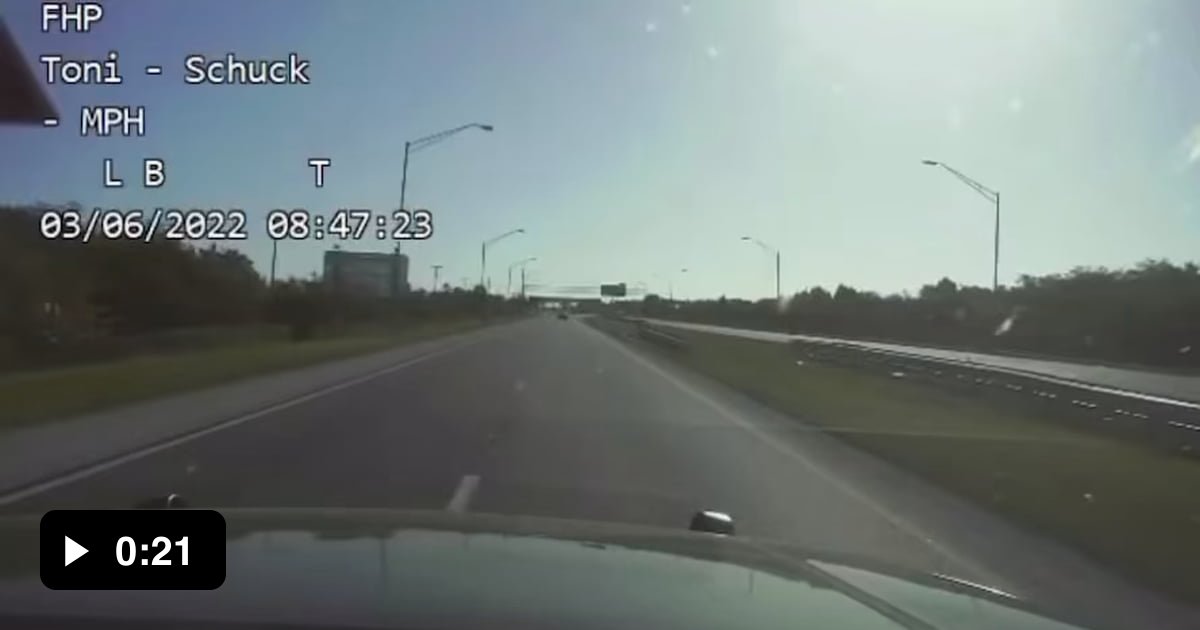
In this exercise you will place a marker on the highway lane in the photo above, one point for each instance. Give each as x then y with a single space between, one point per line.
1174 386
553 418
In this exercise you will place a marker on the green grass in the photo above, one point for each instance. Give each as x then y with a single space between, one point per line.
1124 504
47 395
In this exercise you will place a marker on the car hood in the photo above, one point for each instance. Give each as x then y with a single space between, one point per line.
385 568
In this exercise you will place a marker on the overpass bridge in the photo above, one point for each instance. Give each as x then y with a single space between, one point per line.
582 298
584 293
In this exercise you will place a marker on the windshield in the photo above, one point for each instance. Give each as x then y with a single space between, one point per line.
913 282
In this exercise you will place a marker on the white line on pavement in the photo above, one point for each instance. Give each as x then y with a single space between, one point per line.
463 494
108 464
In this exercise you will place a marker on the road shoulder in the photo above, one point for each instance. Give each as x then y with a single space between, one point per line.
30 456
981 545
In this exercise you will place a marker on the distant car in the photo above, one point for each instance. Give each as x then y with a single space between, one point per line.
562 315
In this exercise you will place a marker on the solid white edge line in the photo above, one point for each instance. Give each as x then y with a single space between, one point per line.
851 491
461 501
108 464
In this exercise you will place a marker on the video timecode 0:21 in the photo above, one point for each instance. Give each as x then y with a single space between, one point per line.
144 549
300 224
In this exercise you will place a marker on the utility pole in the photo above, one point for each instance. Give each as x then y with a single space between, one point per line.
436 270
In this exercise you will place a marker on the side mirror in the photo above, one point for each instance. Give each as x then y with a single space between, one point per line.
712 522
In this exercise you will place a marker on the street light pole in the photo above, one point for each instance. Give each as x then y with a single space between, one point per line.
483 255
427 141
521 264
671 284
996 249
404 174
990 195
274 255
769 250
778 291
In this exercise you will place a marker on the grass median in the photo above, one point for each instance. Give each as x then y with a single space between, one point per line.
32 397
1125 505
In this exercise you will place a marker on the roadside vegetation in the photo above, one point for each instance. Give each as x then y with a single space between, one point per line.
84 326
1148 315
40 395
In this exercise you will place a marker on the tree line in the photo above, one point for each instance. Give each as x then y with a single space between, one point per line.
1149 314
63 301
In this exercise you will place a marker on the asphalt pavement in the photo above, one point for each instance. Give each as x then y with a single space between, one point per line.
553 418
1174 386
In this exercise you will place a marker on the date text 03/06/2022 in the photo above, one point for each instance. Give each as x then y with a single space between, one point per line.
230 225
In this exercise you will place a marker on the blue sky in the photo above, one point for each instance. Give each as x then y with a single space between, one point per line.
637 138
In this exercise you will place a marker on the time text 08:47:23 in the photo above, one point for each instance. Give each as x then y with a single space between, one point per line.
232 225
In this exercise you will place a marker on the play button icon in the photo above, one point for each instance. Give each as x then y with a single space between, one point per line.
123 550
73 551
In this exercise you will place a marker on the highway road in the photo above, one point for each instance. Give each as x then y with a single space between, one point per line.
554 418
1173 386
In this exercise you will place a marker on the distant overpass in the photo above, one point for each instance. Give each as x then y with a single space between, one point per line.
581 294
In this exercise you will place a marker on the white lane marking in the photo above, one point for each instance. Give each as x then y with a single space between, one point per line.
108 464
463 494
892 518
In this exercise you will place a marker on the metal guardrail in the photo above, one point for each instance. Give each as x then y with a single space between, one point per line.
657 336
1166 424
1162 423
637 329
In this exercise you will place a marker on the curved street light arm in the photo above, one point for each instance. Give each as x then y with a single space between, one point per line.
987 193
767 248
431 139
412 146
992 196
483 254
521 262
505 235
